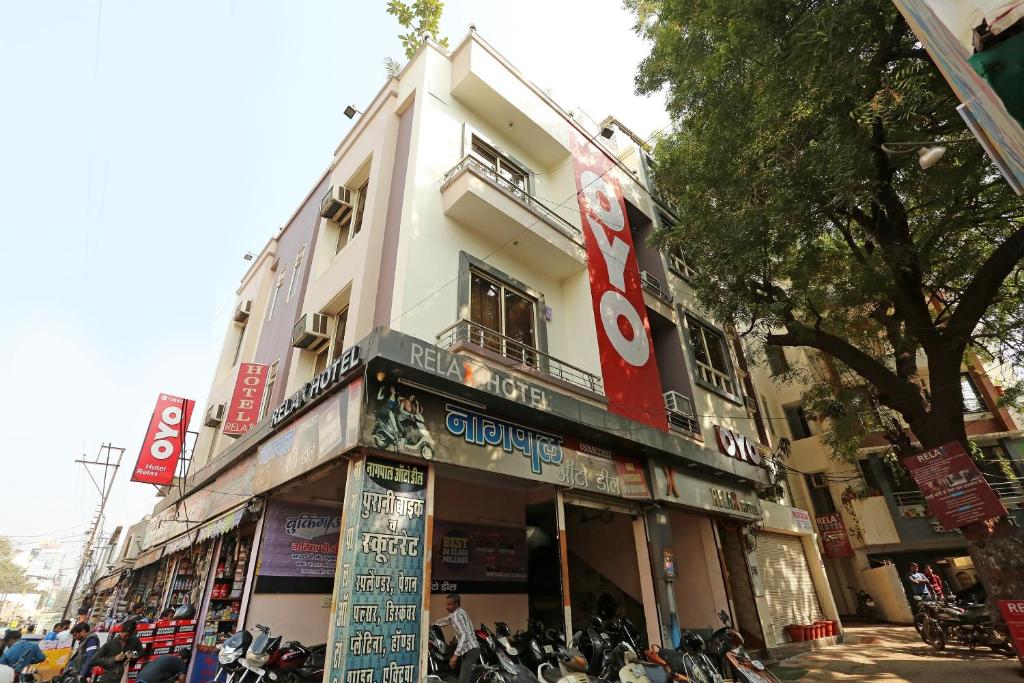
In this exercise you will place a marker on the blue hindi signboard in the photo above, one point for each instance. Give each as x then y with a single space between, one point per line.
379 579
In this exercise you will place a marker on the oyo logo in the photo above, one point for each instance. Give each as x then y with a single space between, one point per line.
618 316
166 430
737 446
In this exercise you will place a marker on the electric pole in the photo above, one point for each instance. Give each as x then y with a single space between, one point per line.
108 460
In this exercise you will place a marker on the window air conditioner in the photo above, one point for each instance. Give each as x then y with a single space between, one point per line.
214 415
679 410
818 480
242 310
311 332
336 202
751 403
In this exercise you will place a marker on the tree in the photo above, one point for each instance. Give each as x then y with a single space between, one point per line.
809 233
421 20
12 575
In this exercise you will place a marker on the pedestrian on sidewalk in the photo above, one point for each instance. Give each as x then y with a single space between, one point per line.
919 583
119 651
934 581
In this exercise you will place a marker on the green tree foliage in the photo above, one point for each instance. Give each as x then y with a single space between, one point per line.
12 576
421 20
806 231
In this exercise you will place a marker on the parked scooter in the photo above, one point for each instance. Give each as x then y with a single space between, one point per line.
230 656
438 658
866 609
595 645
260 655
726 644
971 626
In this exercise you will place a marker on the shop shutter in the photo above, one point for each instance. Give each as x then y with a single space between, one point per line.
789 590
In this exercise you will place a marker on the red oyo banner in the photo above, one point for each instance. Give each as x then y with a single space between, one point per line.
954 488
833 535
244 409
165 440
631 381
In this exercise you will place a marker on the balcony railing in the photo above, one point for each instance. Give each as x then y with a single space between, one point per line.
654 286
716 378
514 191
1010 492
468 332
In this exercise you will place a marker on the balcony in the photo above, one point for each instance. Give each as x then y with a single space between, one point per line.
473 194
912 503
517 354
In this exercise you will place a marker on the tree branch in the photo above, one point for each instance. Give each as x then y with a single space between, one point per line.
983 288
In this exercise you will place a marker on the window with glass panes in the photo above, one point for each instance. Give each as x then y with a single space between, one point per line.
351 222
973 402
334 348
507 172
503 318
711 356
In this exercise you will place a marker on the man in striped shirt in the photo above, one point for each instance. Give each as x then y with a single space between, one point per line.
467 653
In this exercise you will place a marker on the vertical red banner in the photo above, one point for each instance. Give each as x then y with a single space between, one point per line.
956 491
244 409
631 380
165 440
833 535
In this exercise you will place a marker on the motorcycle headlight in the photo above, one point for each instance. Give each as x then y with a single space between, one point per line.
507 663
257 660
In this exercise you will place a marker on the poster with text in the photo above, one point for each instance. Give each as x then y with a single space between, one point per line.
300 540
164 441
833 535
478 558
954 488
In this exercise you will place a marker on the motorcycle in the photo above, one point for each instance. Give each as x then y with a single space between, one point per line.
312 669
260 655
567 665
866 609
230 655
408 436
971 626
727 645
622 630
438 658
594 643
923 608
501 658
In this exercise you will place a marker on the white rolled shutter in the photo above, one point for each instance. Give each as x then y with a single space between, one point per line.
789 590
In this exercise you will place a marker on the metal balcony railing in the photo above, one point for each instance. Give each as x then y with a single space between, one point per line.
654 286
469 332
513 190
1010 492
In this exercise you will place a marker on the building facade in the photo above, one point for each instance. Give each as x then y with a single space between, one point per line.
477 383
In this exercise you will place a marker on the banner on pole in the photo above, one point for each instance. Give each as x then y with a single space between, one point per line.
165 440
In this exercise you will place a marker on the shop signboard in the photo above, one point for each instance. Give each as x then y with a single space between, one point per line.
164 441
412 422
1013 615
801 520
833 535
735 445
954 488
309 441
478 558
628 366
244 409
711 495
378 584
300 541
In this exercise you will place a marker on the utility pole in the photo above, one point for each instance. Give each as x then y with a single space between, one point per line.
107 460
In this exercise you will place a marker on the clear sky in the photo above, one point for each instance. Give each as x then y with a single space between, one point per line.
146 146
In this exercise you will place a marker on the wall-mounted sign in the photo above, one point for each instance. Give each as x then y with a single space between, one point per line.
668 562
404 420
319 385
244 409
834 538
378 596
630 371
164 441
478 558
703 493
736 445
954 488
299 541
801 520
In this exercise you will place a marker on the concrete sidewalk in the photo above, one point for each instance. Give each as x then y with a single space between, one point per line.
896 654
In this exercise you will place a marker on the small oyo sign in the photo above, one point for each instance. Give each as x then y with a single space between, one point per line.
164 441
736 445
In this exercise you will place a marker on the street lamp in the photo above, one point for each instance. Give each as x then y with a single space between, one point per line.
928 153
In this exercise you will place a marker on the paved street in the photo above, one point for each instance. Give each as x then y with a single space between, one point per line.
895 654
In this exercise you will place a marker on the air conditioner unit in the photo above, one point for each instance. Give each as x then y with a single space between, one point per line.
242 310
654 285
214 415
311 331
679 410
751 403
818 480
336 203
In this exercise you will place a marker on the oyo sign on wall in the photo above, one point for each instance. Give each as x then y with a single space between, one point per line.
737 446
631 380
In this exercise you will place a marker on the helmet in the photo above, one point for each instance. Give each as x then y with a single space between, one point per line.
693 641
186 611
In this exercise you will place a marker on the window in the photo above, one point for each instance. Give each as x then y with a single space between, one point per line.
777 363
973 402
821 497
268 391
351 222
335 347
296 273
505 318
867 473
796 418
711 357
238 344
677 260
274 296
507 173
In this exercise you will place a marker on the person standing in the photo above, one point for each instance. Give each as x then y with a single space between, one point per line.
119 651
64 637
934 581
88 644
21 652
467 652
919 583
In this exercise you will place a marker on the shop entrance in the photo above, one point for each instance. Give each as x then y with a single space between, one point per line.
606 544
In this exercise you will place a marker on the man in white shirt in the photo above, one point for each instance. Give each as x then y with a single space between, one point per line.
467 652
64 638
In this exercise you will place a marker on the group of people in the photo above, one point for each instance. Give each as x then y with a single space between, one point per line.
120 650
929 585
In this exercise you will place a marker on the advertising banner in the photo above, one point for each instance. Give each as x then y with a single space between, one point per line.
244 408
1013 615
164 441
478 558
954 488
833 535
411 422
300 540
631 380
378 584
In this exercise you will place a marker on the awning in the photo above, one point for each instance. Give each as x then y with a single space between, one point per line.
108 582
221 525
179 543
149 556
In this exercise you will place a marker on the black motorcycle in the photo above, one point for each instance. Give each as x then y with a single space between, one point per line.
970 626
867 611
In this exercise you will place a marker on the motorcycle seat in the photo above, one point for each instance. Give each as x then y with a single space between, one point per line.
551 674
975 615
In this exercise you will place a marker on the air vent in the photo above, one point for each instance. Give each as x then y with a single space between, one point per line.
214 415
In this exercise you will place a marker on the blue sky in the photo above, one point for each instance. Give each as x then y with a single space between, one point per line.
144 147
